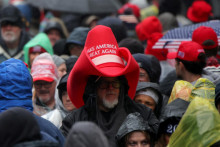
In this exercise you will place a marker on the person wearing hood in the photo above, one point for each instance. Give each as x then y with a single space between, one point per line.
150 71
55 30
135 131
25 131
63 102
169 120
150 68
13 36
148 94
199 126
37 45
18 93
61 65
86 134
76 41
102 90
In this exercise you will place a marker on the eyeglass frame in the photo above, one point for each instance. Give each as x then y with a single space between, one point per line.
44 84
115 84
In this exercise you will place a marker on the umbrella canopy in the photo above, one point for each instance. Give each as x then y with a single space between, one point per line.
78 6
173 38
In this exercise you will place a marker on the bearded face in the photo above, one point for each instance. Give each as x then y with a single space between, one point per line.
108 92
10 34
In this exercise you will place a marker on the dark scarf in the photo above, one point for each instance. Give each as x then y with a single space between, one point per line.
116 117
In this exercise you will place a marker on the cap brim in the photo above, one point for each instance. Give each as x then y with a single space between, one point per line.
172 55
48 79
8 19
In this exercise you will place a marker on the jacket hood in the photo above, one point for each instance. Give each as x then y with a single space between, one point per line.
78 36
116 25
150 64
39 40
15 85
213 77
174 109
58 95
199 126
18 125
86 134
148 85
133 122
203 88
58 24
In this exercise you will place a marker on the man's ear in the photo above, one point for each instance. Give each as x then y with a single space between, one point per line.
181 65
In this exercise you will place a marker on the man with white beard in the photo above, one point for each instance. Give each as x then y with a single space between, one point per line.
13 36
102 84
45 77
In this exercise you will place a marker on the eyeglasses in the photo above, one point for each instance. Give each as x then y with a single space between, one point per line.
39 84
106 84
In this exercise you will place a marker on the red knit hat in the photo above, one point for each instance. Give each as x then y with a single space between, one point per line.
199 11
188 51
148 26
135 9
204 33
160 54
101 56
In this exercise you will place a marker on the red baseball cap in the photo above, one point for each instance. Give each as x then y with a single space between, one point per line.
43 68
147 27
101 56
204 33
188 51
199 11
135 9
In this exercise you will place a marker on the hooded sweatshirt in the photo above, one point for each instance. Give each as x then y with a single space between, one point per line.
39 40
16 91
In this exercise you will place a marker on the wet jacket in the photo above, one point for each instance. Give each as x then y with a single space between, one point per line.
133 122
175 109
4 54
86 134
88 113
40 39
18 93
199 126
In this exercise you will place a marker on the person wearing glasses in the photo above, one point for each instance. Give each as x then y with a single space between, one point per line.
102 85
13 36
45 77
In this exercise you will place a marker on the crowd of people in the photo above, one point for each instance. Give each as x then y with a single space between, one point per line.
70 80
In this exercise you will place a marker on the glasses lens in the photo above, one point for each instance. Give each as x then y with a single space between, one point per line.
105 84
38 85
116 84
